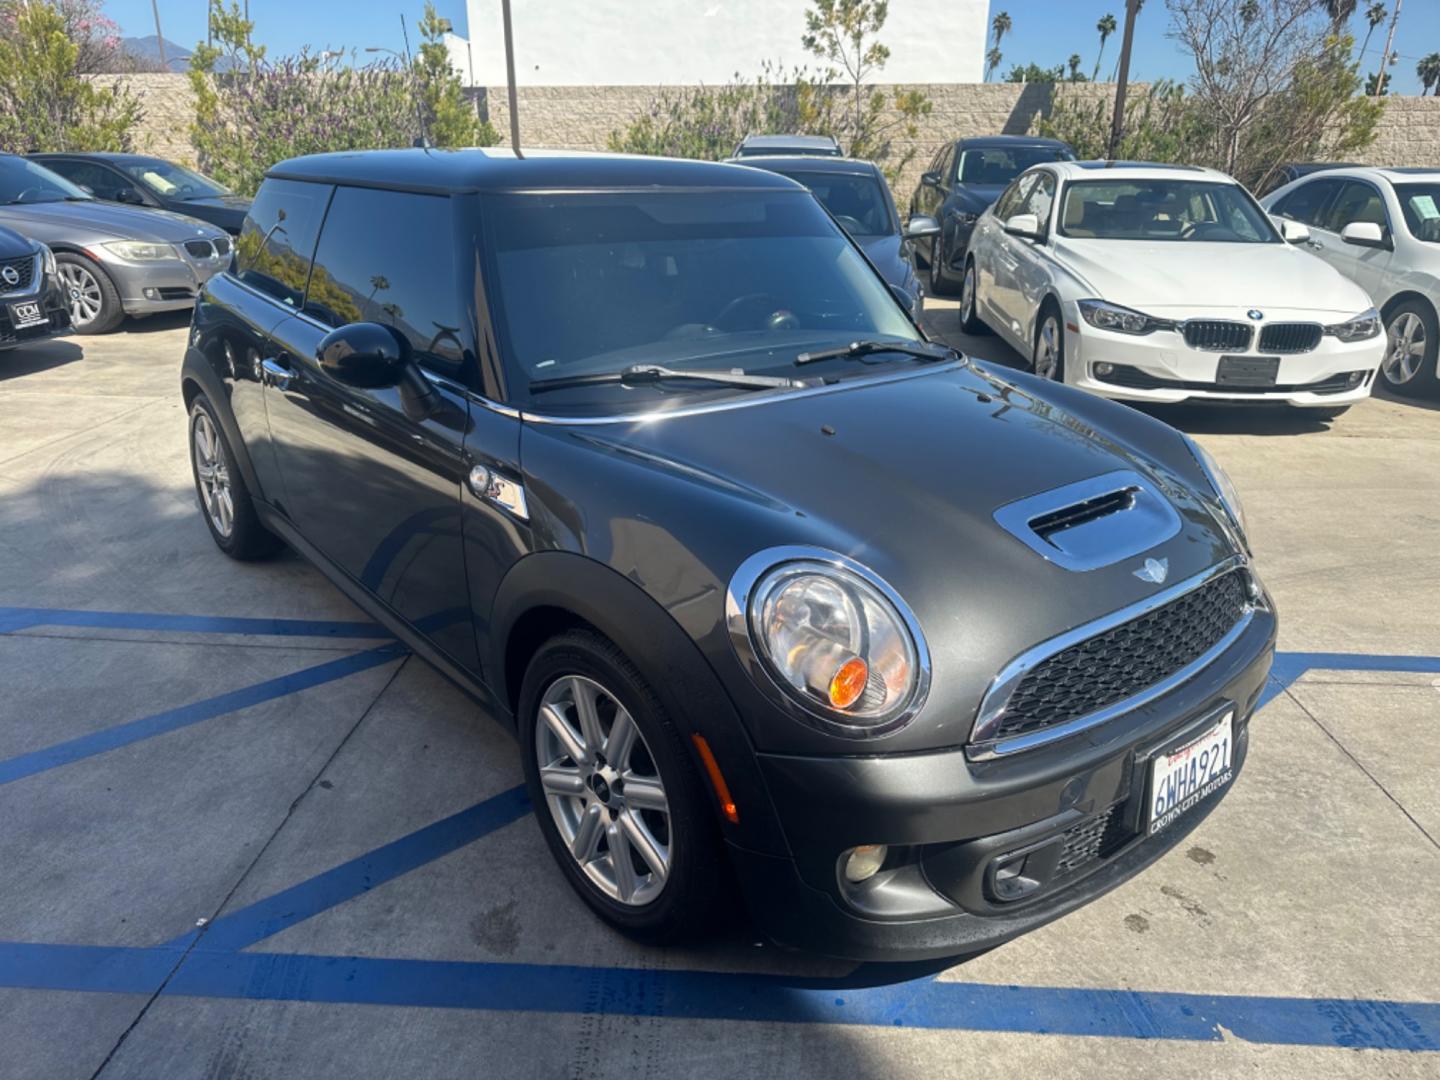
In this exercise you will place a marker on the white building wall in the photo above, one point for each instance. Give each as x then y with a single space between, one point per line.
684 42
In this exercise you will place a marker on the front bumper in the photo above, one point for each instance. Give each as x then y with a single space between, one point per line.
949 822
1161 367
147 288
51 299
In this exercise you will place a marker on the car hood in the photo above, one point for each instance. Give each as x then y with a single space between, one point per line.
1175 274
903 475
13 245
92 219
888 255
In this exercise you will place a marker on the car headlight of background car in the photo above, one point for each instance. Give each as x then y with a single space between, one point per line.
1122 320
139 251
1221 484
835 640
1362 326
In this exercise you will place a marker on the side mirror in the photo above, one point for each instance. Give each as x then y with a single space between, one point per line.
904 298
1024 225
1363 234
921 225
364 355
129 195
86 188
1292 231
930 179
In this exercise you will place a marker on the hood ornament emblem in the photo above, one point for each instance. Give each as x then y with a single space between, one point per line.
10 275
1154 570
1255 314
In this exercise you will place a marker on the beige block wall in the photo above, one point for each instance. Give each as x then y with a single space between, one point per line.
169 106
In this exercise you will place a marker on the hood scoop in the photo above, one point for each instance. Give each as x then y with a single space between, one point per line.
1092 523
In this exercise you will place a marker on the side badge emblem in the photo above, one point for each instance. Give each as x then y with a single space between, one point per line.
1154 570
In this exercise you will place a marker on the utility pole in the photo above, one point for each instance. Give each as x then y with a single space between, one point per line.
510 78
1117 122
160 38
1385 56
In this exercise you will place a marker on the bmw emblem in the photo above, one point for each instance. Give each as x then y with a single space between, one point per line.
1255 314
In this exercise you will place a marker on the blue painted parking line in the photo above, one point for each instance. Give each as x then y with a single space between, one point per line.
17 618
112 738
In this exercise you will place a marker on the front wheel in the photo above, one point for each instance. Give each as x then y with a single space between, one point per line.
93 299
937 285
970 301
622 807
1412 341
1048 358
224 499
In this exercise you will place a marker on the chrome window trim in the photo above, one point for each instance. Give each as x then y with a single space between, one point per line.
983 744
737 622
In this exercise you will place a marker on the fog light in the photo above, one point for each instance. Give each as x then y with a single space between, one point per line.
1102 369
152 294
864 862
1357 377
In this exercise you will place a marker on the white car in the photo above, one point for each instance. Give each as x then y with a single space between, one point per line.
1381 229
1165 283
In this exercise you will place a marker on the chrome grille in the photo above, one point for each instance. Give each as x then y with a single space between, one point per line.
1127 659
24 266
1290 337
1217 335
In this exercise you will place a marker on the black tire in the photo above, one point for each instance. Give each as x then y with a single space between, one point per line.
234 526
970 321
1049 314
935 283
79 274
694 900
1400 377
1331 413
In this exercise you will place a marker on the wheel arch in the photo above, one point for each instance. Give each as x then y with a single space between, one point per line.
1403 296
198 377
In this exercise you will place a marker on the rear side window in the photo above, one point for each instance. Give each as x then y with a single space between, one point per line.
1307 202
102 181
389 257
273 252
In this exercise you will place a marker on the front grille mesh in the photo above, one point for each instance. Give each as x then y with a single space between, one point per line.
1290 337
24 266
1121 662
1093 839
1217 335
200 249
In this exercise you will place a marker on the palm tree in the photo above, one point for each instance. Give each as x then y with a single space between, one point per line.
1074 66
1339 12
1000 26
1374 15
1105 27
1429 71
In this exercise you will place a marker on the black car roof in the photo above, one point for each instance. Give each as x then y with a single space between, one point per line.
493 169
980 142
811 163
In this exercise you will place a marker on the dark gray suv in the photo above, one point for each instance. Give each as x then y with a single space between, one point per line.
774 591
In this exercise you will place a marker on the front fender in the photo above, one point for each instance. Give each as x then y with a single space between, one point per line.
198 375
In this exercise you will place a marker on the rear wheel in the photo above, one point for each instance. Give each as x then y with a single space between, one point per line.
937 285
224 500
1412 340
93 299
624 811
1048 357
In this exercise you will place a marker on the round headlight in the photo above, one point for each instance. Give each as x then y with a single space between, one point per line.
838 642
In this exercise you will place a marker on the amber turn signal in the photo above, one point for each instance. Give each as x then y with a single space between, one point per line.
717 780
848 683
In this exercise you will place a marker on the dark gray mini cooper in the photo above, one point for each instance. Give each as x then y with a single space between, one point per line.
777 594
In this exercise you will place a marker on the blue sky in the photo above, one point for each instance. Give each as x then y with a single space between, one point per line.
1044 31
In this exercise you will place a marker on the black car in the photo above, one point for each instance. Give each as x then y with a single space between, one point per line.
647 457
142 180
857 196
32 304
963 179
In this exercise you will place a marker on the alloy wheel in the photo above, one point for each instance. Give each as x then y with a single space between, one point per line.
212 475
1405 348
1047 348
967 296
82 291
604 790
937 254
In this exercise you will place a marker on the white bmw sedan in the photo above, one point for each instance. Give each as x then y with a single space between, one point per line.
1166 283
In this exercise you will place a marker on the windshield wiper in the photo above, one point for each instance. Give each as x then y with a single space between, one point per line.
857 349
637 374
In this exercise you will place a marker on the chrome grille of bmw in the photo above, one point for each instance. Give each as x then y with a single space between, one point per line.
1290 337
1217 335
1125 660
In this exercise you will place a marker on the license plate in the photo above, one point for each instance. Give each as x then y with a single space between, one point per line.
25 315
1247 370
1183 778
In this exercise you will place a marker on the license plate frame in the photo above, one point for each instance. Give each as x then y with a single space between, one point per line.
1187 773
1247 371
27 314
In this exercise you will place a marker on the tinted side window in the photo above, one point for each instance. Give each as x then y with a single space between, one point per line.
389 257
97 178
278 238
947 166
1356 202
1307 202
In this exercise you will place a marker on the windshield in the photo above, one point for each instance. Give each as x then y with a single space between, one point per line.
23 181
996 166
857 202
742 281
1420 203
172 181
1164 209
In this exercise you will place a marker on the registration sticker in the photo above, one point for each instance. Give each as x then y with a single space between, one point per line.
1183 778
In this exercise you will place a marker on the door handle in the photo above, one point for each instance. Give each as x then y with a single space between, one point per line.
1314 245
273 373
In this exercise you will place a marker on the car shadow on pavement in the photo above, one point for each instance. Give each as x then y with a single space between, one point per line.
31 359
166 320
1430 404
